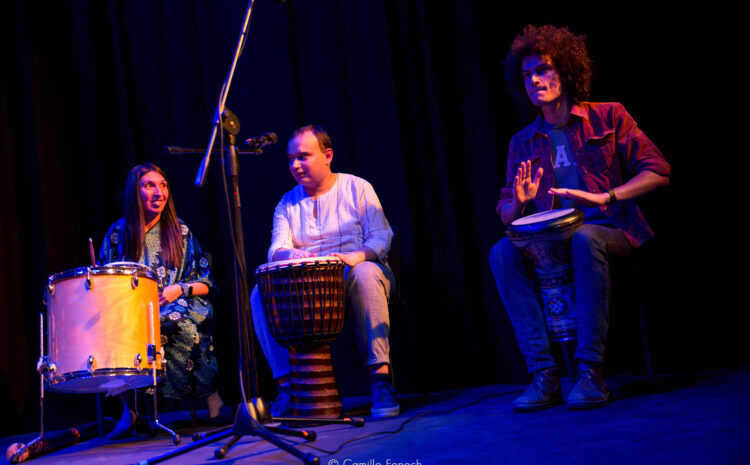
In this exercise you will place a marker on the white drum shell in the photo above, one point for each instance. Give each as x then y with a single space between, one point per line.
102 317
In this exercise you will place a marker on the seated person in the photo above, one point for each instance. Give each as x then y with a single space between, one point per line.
587 155
151 234
334 214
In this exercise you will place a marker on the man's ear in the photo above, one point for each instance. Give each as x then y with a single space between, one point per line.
329 156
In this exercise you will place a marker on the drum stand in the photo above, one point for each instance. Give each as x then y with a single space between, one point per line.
46 368
152 354
43 367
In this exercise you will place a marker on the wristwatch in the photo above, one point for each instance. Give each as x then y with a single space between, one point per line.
186 290
612 197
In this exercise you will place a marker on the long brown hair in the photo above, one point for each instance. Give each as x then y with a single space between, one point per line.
170 235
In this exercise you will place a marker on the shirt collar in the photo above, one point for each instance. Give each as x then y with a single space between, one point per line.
537 127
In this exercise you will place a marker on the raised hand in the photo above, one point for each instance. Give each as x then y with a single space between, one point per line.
524 187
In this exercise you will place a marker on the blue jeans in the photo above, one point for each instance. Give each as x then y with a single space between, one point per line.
368 286
592 247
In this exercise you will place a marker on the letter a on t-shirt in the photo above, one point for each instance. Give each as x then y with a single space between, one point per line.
561 157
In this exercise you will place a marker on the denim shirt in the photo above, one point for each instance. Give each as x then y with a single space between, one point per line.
609 149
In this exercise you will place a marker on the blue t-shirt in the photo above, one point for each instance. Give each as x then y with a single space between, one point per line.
567 174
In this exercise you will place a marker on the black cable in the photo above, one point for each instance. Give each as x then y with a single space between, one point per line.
403 424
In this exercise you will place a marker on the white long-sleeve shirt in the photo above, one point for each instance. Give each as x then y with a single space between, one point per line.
349 217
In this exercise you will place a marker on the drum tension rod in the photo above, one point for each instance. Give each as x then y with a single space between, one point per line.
89 281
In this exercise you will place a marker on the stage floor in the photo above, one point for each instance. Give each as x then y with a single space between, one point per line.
701 418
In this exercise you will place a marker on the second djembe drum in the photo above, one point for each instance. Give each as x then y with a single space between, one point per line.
544 239
303 303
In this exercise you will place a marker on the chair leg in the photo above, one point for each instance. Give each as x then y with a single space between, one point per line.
99 417
642 323
193 414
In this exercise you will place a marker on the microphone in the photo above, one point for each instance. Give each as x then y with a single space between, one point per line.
268 138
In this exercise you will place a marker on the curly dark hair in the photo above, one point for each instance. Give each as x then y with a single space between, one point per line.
568 53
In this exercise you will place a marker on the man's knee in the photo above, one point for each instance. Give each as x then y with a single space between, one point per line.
366 270
366 275
585 237
501 252
588 243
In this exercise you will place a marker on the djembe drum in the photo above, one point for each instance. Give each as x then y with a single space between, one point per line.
544 239
303 302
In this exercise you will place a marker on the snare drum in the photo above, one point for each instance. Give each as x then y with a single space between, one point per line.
102 333
303 302
544 239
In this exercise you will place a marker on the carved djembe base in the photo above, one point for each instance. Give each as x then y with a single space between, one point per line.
544 239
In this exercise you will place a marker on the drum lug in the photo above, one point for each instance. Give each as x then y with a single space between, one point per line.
91 363
151 349
134 280
137 361
46 367
89 281
50 291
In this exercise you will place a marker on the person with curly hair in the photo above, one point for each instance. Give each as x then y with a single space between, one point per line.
576 154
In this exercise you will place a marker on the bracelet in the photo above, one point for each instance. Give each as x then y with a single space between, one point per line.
612 197
186 290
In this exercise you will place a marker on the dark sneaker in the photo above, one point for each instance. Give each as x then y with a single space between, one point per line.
384 402
544 391
280 407
589 391
224 417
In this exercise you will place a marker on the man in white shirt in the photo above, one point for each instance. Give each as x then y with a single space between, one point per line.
335 214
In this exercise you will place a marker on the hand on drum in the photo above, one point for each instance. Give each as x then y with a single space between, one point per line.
169 294
352 258
524 187
291 254
583 198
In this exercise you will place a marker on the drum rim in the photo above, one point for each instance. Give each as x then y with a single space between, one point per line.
299 263
104 270
574 216
57 382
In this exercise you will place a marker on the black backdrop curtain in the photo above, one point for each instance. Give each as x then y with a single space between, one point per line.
412 93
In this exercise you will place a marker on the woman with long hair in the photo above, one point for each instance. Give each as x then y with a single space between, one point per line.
151 234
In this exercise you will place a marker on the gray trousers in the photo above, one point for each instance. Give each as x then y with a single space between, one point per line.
368 286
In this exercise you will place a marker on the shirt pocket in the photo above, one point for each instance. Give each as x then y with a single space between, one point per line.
600 152
534 158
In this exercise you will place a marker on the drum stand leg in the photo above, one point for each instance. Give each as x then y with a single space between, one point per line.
43 367
152 358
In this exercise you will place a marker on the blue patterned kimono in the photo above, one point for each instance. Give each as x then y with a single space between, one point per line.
185 323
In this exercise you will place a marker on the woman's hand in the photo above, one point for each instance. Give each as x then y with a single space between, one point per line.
170 294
